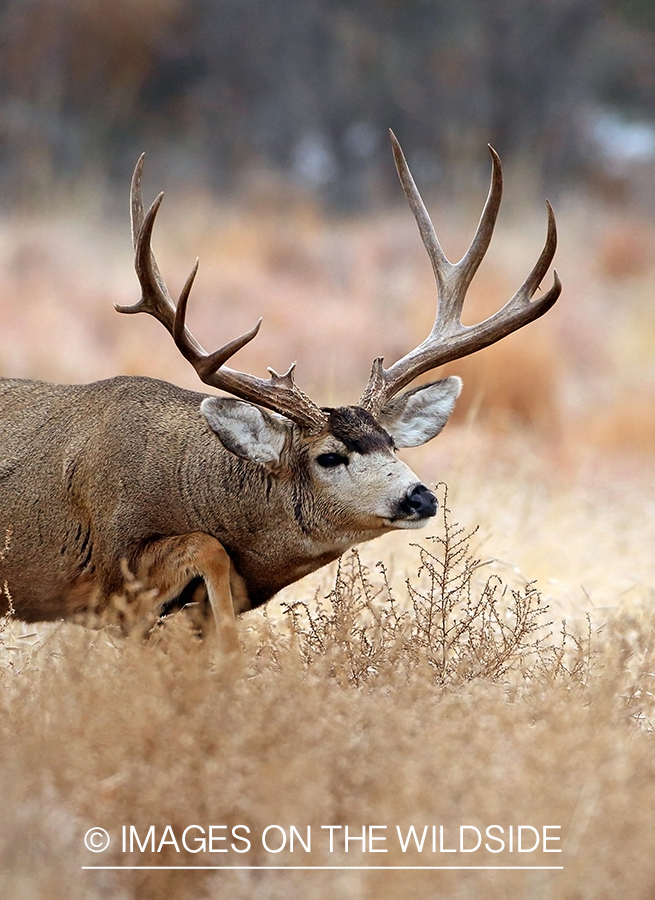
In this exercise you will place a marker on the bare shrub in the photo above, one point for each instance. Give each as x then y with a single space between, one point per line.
358 628
467 629
450 621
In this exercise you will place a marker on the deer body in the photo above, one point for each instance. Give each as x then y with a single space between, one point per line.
226 499
91 475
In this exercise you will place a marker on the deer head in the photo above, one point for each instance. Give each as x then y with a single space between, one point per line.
272 421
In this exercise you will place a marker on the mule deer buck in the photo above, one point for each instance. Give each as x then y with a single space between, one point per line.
227 498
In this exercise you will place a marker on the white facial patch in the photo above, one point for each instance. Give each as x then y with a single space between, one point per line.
370 487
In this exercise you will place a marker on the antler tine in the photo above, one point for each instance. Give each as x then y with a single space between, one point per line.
206 364
423 220
155 298
279 393
453 279
449 339
542 265
136 200
520 310
470 262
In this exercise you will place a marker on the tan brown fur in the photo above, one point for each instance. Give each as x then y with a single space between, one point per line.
127 471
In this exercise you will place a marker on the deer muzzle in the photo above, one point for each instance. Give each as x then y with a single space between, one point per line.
419 503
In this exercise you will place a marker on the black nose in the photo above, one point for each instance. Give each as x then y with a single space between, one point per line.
422 501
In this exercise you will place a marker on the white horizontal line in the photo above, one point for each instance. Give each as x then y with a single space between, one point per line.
334 868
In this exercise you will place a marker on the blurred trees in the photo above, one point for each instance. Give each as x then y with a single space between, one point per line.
309 87
72 81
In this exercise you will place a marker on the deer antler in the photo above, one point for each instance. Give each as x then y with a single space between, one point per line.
449 339
279 393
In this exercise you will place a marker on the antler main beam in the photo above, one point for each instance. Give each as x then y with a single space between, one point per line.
449 339
279 393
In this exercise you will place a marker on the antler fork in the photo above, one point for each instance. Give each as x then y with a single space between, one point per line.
279 393
449 339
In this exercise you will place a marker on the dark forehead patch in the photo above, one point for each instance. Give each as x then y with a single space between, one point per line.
357 430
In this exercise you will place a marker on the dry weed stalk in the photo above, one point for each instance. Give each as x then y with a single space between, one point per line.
466 629
9 533
4 625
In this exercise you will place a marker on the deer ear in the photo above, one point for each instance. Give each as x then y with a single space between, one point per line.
246 430
419 415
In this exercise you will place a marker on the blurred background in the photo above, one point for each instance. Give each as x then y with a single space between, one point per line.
266 123
217 89
221 88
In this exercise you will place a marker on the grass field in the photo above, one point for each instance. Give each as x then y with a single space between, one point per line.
509 684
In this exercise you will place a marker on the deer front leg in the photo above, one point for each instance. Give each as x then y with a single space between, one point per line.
169 564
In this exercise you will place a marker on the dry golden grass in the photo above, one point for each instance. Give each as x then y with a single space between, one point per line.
465 701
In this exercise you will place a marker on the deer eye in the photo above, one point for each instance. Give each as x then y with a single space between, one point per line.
331 460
